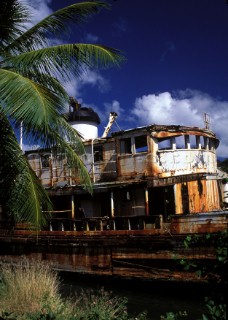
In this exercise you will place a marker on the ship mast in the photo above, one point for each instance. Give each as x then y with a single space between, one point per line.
112 118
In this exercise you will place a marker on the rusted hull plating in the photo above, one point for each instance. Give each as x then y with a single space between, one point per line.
125 256
145 254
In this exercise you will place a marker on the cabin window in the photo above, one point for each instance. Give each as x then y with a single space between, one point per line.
200 142
98 153
180 142
164 144
45 160
141 144
206 143
211 144
125 146
187 142
193 143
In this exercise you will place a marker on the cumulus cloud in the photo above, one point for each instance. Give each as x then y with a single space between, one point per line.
184 108
40 9
72 87
75 86
94 78
114 106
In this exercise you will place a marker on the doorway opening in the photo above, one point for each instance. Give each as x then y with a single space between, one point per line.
162 202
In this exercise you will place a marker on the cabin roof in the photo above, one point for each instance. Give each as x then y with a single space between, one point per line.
160 131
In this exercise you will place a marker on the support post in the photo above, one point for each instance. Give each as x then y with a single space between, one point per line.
146 202
112 204
72 206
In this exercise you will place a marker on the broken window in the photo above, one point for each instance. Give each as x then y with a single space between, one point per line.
45 160
98 153
180 142
199 142
187 142
211 144
206 143
192 140
125 146
164 144
141 144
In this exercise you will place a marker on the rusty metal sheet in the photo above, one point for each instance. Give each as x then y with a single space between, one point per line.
167 134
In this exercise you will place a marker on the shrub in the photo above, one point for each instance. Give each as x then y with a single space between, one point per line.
102 306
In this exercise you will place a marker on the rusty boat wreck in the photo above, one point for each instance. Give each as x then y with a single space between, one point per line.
152 187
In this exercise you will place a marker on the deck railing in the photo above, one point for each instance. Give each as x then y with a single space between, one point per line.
105 223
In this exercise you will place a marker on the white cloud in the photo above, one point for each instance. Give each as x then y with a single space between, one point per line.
184 108
114 106
27 147
40 9
94 78
75 86
72 87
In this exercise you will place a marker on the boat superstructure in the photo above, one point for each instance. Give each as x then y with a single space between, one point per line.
152 186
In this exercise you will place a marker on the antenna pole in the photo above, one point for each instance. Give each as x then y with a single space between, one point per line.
206 119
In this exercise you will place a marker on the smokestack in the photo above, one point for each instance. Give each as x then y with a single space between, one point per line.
112 118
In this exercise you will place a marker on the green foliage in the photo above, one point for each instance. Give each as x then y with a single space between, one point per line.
223 165
31 91
174 316
215 273
102 305
20 182
216 310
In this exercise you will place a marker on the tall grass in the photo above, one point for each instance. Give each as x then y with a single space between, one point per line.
25 286
30 290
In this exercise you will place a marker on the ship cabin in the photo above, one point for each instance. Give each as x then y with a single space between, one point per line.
142 177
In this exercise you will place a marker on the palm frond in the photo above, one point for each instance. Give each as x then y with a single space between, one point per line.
72 57
56 24
31 92
75 162
13 15
61 138
40 119
99 56
39 108
21 195
28 101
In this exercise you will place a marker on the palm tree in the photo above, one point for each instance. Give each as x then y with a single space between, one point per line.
31 73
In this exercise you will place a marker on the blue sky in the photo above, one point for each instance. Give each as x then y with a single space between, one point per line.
176 67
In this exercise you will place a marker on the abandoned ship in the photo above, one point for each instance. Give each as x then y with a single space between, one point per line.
152 186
